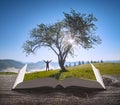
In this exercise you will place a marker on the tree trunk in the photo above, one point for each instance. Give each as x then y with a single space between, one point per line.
61 64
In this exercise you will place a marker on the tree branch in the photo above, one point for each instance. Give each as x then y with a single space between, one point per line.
53 50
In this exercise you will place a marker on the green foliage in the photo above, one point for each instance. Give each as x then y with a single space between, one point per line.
82 28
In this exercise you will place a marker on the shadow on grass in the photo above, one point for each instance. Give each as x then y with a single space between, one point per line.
56 76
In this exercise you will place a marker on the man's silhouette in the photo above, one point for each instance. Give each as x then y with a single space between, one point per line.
47 64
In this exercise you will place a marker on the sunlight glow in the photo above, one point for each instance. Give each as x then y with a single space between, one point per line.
71 41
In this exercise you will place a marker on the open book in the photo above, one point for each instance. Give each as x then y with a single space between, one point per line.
53 83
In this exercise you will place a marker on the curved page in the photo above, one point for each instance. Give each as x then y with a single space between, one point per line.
37 83
81 83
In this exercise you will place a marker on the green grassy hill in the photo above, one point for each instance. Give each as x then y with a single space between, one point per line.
108 68
83 71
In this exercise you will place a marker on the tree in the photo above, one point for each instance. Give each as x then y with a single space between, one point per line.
101 61
83 62
74 63
69 64
63 37
79 63
87 62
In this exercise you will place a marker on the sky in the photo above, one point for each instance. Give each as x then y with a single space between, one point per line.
19 17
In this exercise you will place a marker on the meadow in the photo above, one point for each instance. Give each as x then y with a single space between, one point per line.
108 68
83 71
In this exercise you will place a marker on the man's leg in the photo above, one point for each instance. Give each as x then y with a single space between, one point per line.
48 68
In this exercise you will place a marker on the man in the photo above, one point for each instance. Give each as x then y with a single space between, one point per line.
47 64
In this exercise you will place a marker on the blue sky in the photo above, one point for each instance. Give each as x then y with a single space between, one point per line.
19 17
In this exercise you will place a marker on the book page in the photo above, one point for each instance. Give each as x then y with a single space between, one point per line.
37 83
69 82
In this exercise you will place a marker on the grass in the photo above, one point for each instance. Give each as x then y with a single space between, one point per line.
7 73
108 68
40 74
83 71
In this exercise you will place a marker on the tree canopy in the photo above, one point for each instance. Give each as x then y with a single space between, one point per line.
63 37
